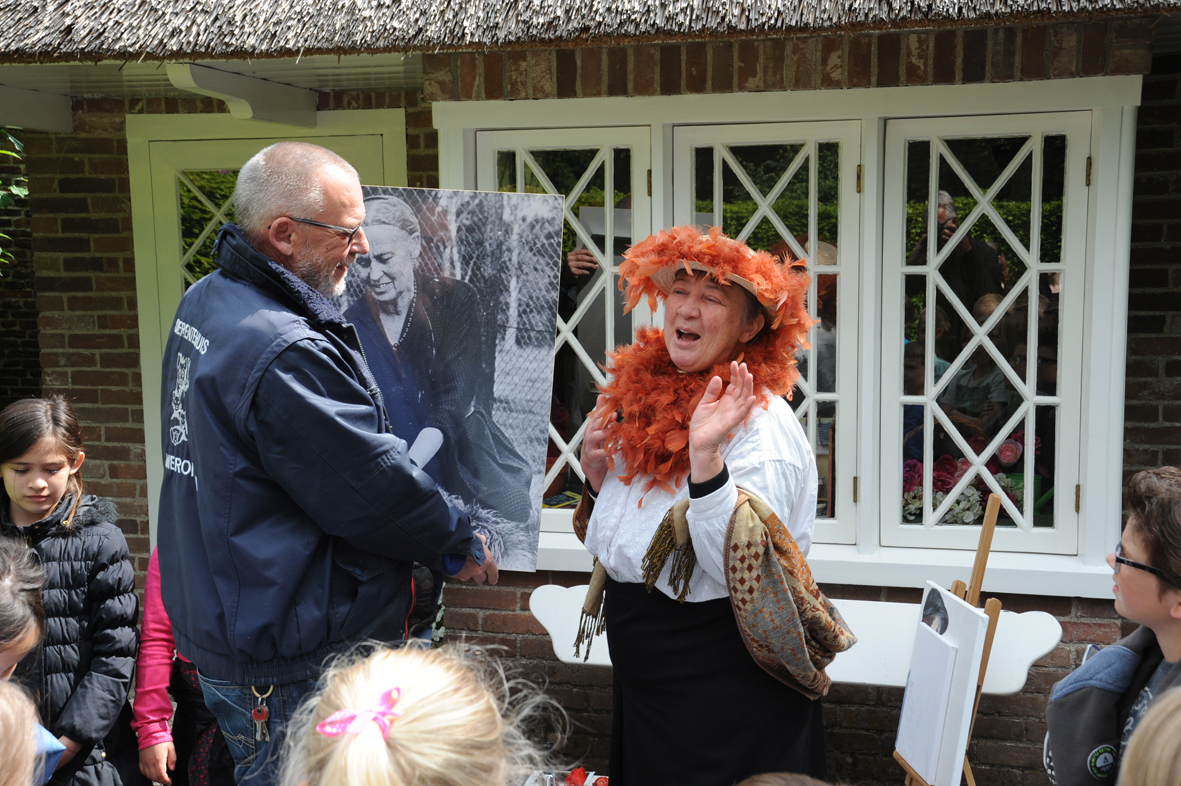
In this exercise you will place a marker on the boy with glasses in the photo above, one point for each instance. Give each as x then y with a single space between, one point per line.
1093 712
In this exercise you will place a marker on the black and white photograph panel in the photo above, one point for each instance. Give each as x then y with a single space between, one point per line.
456 305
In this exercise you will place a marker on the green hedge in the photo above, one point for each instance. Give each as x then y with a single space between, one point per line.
218 186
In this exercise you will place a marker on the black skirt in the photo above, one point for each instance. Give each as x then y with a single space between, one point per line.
691 707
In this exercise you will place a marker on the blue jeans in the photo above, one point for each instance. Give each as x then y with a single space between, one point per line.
256 762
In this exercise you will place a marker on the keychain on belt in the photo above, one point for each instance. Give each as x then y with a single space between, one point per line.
261 713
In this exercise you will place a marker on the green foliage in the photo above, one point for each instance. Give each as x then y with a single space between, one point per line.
1015 213
16 187
218 187
793 213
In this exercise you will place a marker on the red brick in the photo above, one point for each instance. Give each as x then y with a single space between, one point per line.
540 648
860 61
943 61
1033 52
436 64
499 646
494 622
697 67
127 471
493 76
590 73
1090 632
125 434
748 55
722 70
644 76
774 64
617 71
1131 61
541 73
832 61
889 59
469 76
803 63
459 596
458 619
91 378
1136 31
97 341
1063 51
517 79
567 73
974 58
917 52
1094 49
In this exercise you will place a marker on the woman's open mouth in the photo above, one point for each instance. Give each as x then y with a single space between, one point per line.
687 336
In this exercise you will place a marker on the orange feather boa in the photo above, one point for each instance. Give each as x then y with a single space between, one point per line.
652 398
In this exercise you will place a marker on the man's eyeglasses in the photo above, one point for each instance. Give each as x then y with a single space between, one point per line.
1120 559
349 234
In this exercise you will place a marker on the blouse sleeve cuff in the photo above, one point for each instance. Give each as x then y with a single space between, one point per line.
718 503
707 487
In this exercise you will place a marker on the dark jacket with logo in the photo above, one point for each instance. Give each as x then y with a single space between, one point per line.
1088 709
290 516
82 671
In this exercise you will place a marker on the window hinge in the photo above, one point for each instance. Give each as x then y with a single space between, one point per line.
1088 171
1078 493
854 488
859 178
650 179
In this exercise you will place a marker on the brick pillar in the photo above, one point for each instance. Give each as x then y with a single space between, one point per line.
1152 412
20 357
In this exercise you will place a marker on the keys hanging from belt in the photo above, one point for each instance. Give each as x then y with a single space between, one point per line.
260 714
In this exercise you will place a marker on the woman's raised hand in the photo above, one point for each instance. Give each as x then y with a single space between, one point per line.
717 415
594 453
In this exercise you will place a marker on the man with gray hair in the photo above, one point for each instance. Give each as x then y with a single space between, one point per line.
290 516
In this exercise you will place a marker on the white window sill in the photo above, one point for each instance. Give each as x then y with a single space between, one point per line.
1028 574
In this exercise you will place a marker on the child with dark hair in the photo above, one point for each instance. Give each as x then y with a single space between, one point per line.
81 672
1094 711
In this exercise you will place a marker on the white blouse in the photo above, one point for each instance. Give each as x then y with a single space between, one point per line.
769 455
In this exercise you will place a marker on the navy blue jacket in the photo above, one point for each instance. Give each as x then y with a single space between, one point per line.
290 516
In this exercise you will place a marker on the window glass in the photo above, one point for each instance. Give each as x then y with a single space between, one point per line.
204 206
981 329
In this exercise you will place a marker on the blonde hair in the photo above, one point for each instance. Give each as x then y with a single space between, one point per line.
461 722
18 738
1153 755
781 779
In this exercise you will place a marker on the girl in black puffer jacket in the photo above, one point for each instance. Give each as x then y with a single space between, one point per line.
81 673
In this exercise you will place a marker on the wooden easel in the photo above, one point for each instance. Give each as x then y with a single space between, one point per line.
971 593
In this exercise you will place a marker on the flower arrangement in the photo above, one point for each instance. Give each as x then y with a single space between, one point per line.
944 475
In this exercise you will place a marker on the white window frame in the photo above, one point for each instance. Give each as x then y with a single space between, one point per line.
1062 538
1112 102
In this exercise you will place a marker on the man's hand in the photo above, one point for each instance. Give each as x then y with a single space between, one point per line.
582 262
949 229
479 573
156 760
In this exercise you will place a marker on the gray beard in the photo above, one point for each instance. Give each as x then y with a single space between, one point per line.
315 274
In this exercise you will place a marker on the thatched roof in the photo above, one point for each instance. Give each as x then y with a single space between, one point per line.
167 29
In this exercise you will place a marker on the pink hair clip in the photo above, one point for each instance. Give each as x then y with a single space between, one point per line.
348 721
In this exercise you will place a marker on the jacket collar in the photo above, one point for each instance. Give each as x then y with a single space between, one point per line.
38 530
237 257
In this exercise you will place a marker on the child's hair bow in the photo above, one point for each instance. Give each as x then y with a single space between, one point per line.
349 721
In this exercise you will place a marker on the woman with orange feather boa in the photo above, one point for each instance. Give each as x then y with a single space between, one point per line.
695 412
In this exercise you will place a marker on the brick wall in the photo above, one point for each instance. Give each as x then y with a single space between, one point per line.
20 357
1152 415
921 57
79 200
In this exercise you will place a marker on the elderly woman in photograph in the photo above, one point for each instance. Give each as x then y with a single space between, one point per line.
412 327
692 422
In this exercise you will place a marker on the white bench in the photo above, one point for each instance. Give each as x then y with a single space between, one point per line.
885 636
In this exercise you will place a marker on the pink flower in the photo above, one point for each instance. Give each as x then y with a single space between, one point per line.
942 481
1009 452
962 467
978 443
912 475
946 465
